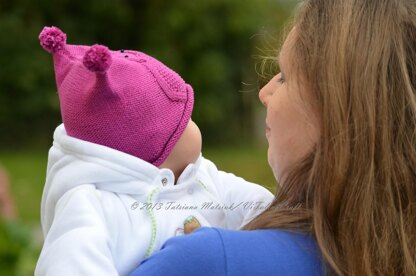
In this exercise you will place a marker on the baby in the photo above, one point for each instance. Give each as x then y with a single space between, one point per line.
125 171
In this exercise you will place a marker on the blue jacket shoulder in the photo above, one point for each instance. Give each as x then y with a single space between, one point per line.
214 251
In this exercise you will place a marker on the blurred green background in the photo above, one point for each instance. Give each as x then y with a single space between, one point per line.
215 45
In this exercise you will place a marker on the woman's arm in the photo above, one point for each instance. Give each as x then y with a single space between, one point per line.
200 253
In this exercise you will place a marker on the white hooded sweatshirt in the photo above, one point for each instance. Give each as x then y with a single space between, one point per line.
104 211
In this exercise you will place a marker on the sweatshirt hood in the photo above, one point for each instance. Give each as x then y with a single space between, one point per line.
73 162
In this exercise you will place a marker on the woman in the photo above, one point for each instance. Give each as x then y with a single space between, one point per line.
341 119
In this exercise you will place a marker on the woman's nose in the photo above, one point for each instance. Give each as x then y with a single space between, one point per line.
264 95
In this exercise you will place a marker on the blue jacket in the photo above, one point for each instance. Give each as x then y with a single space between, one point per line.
214 251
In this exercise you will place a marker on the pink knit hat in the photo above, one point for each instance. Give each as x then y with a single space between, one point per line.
125 100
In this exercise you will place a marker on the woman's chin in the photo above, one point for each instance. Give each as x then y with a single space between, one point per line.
273 166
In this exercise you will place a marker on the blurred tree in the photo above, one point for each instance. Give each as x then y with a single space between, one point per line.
208 42
7 208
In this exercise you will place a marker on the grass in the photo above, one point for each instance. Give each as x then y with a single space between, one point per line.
27 171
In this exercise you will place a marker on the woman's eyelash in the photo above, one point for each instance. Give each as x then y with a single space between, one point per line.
281 79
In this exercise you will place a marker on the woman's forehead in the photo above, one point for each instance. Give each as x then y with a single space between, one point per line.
285 50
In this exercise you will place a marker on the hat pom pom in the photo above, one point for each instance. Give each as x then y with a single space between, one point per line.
52 39
97 58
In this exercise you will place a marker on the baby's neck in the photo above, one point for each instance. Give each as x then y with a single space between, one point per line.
178 173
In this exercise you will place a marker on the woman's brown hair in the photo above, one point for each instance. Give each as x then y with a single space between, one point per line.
356 191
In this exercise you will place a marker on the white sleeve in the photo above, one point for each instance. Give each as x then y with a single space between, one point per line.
245 200
78 242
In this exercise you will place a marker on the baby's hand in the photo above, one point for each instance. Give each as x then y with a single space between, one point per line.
189 225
